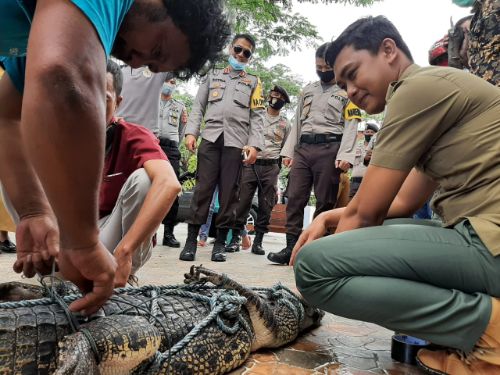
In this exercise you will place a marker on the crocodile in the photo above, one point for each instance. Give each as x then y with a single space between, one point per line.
210 325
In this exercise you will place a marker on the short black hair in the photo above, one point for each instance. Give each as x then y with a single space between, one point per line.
116 72
321 51
366 33
247 37
207 28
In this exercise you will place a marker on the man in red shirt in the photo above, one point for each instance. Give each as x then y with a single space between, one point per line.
138 186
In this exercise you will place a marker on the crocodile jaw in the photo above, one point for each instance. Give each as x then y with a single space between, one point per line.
264 337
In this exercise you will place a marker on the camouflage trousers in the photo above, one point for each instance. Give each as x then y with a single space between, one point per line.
484 45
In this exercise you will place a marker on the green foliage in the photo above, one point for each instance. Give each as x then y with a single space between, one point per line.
279 75
363 3
185 98
276 28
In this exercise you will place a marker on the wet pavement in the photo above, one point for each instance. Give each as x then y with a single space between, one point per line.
339 346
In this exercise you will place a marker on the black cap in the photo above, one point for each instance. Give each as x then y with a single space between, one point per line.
372 126
282 91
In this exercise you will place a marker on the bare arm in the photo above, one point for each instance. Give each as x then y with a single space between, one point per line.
37 235
63 117
386 193
414 192
62 123
159 199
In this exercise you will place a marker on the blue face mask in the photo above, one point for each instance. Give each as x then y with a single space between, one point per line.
464 3
235 64
167 90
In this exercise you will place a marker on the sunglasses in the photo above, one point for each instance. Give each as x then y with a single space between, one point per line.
239 49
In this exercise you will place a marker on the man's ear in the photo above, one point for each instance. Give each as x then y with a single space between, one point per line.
389 49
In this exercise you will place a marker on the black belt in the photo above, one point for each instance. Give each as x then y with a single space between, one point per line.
356 179
168 142
267 161
320 138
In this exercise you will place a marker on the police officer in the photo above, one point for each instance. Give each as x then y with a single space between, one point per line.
361 159
320 146
172 120
231 103
264 173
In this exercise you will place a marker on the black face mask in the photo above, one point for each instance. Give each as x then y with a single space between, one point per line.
368 137
276 103
327 76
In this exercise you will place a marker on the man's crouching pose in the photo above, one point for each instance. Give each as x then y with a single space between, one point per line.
438 282
138 186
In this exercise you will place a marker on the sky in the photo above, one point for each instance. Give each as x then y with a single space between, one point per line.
421 23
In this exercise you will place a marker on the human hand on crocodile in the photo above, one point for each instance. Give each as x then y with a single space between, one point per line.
37 240
92 269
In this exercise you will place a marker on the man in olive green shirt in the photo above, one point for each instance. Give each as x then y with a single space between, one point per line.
439 282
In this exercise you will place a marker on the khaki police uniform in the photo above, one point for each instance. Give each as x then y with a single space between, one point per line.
444 122
358 167
232 106
263 175
171 129
324 130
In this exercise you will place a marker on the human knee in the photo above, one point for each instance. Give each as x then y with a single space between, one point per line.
137 185
306 272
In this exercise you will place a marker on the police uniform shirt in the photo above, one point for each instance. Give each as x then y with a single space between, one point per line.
141 93
445 122
359 167
325 109
170 121
231 102
276 130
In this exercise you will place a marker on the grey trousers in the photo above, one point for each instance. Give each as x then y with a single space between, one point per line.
423 280
114 226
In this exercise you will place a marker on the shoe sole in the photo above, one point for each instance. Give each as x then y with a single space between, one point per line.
429 370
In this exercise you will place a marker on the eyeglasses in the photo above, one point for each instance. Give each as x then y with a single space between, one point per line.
239 49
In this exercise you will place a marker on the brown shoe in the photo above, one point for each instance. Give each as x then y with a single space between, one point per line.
444 362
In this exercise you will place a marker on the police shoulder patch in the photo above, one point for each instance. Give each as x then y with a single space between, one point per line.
352 112
257 100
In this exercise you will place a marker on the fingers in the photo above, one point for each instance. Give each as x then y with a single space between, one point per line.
94 300
301 241
52 245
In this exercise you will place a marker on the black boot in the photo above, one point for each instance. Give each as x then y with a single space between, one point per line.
189 251
283 257
257 244
234 245
168 236
220 243
7 246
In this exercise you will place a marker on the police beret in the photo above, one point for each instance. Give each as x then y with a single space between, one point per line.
282 91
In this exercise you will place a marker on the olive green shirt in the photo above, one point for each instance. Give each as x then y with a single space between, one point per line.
446 123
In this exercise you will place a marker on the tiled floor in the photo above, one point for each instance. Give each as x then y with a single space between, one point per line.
339 346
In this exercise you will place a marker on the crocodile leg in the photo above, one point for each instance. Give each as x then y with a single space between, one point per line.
122 343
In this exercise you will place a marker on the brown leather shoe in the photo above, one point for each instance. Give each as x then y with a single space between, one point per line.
454 363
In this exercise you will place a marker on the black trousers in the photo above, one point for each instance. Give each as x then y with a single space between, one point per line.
217 165
174 156
268 177
313 165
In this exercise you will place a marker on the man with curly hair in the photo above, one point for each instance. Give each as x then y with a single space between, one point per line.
55 52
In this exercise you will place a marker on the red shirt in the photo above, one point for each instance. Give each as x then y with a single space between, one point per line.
131 147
